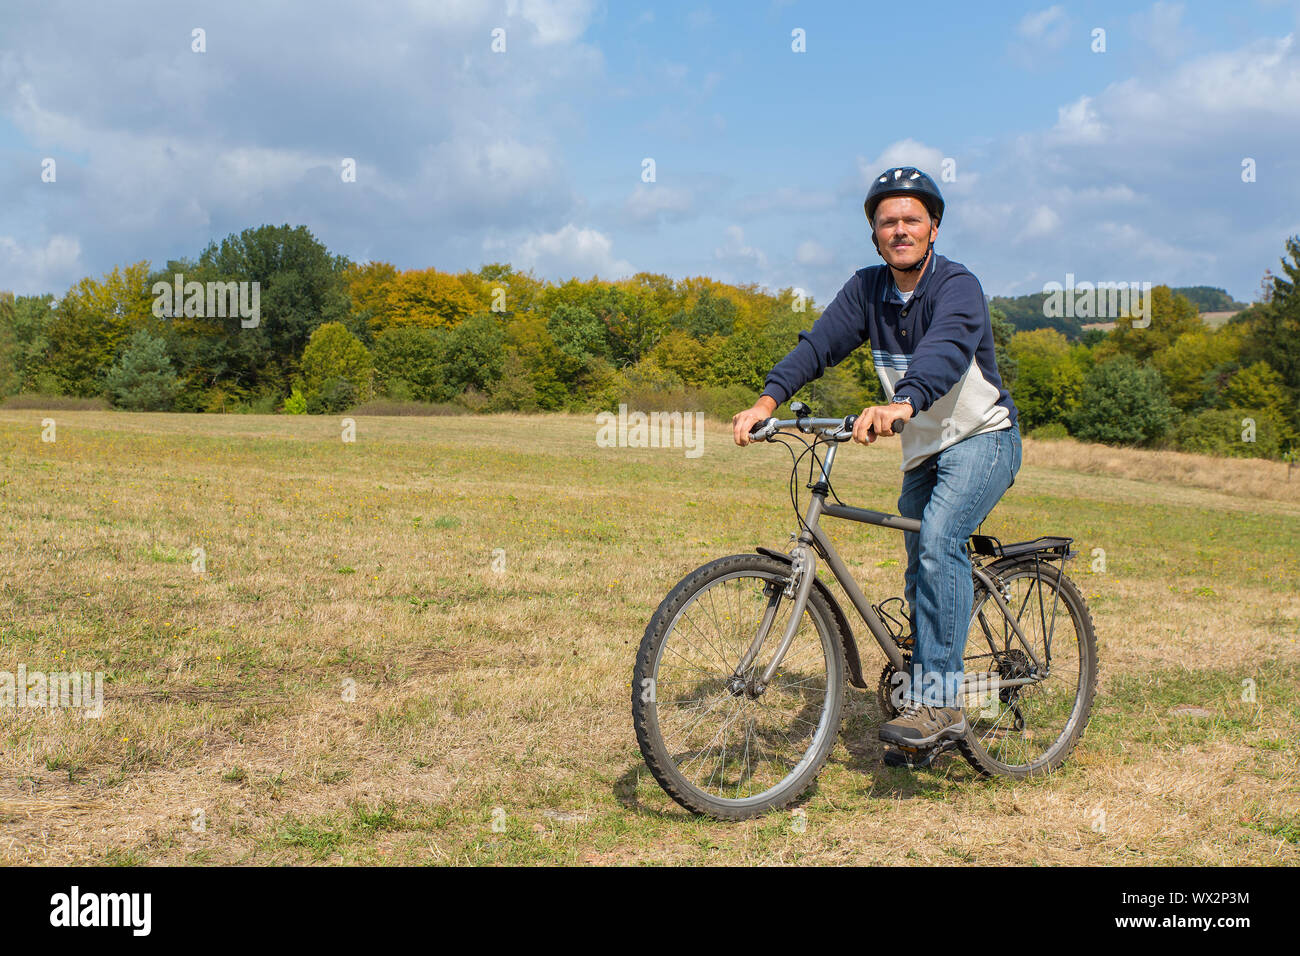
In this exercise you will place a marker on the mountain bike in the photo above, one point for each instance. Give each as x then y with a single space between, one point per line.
739 681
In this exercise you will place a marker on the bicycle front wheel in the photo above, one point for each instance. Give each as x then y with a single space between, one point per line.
715 745
1030 727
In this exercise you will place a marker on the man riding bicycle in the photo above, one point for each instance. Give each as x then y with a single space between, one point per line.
931 341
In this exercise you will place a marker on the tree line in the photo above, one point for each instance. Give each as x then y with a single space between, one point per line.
335 334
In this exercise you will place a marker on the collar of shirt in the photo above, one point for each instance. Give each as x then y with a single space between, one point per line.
891 290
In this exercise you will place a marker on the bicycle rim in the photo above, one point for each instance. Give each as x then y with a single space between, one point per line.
1031 728
733 750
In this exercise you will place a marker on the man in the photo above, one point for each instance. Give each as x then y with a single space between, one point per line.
932 345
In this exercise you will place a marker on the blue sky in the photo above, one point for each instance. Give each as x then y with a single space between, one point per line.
1116 165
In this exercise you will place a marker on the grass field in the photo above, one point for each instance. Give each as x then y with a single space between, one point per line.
417 648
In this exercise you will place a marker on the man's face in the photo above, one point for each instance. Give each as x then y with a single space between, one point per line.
904 230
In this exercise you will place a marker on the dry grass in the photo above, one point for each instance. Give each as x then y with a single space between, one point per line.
351 681
1244 478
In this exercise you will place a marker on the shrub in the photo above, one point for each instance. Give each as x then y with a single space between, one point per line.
334 395
409 364
34 400
1122 403
1053 431
334 355
142 379
472 399
1224 431
514 391
295 404
380 407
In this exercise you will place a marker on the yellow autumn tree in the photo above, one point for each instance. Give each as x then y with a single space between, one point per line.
426 298
92 321
367 285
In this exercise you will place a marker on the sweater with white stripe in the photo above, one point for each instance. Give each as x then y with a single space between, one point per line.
936 349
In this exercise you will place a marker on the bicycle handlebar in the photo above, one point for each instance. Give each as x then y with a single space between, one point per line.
833 429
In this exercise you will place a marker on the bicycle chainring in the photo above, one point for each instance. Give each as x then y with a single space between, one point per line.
885 689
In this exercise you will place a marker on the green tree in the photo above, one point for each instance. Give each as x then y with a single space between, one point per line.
474 354
1170 316
90 324
681 353
740 359
578 333
334 355
10 363
301 287
710 315
1186 364
514 390
1049 379
1122 403
1002 335
142 378
412 358
32 317
1273 329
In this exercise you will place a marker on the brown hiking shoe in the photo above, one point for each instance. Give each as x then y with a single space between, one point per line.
918 725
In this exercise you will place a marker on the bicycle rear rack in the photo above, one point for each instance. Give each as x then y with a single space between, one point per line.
1047 547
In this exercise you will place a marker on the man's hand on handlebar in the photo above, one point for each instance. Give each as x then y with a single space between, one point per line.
743 422
879 420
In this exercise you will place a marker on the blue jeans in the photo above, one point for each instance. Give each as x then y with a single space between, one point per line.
952 491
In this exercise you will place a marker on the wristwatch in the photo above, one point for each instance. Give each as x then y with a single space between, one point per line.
903 400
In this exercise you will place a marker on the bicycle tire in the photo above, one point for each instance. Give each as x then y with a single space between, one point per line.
992 737
655 712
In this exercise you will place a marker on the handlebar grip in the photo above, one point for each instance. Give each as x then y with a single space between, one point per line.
757 427
896 427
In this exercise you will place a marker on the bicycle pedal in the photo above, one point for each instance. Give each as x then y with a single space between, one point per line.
910 758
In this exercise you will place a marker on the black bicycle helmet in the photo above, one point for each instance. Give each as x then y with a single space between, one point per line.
904 181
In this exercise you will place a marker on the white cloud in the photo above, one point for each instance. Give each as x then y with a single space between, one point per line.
906 152
1078 122
1046 25
785 200
1162 28
1238 87
33 269
650 202
812 253
556 21
1042 222
736 249
572 251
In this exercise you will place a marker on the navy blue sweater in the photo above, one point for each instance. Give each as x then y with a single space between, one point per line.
936 349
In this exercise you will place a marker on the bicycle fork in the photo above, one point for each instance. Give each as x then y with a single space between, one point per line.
803 571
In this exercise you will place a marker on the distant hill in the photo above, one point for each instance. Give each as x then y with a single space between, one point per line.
1209 299
1025 312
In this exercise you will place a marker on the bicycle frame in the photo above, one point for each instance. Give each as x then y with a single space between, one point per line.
813 541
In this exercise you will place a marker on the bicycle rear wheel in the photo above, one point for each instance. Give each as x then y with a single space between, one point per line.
1029 729
716 746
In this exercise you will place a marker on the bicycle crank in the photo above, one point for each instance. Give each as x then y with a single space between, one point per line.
911 758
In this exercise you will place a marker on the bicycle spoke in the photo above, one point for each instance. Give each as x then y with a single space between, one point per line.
1046 706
